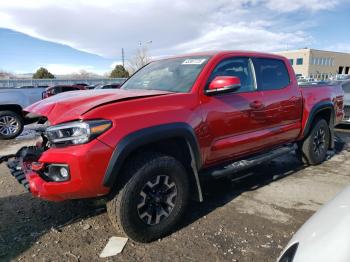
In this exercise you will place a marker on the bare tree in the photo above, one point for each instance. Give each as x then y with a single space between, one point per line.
82 74
140 59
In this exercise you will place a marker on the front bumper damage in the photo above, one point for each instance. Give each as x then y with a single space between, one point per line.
20 163
86 164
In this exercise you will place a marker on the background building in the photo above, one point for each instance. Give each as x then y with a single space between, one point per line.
318 64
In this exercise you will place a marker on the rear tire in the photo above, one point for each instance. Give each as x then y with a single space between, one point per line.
153 200
11 125
314 148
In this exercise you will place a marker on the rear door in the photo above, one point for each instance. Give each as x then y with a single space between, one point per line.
281 99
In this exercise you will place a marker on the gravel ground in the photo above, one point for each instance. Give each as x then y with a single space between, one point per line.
251 219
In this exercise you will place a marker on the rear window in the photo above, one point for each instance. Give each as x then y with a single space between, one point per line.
68 88
271 74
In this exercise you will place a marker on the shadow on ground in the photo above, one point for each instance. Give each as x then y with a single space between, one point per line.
23 219
218 193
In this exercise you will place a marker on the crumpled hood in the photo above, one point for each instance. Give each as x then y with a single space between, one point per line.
72 105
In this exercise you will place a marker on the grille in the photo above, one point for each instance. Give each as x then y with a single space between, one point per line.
347 112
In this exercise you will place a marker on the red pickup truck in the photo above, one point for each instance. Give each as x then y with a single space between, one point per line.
146 147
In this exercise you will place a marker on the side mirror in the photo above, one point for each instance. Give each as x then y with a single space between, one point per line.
223 84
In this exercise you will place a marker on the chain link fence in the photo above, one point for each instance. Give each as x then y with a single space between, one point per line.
16 83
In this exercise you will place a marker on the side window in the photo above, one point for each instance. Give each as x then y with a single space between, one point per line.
271 74
239 67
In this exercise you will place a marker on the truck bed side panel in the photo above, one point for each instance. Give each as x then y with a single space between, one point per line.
315 95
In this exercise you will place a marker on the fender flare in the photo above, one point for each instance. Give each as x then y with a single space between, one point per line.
317 108
150 135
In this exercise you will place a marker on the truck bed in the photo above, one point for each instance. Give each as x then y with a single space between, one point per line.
22 97
313 94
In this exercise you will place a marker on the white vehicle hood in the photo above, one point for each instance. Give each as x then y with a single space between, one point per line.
326 235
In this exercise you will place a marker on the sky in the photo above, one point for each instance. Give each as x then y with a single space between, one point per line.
67 36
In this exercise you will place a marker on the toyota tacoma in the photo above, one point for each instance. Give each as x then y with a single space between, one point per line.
146 147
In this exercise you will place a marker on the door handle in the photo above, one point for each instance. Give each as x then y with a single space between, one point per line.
256 104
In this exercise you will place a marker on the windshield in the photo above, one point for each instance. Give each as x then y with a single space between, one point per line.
174 75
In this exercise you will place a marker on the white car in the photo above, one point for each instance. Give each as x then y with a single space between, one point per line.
325 237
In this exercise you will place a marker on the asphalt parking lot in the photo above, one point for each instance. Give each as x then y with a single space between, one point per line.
251 219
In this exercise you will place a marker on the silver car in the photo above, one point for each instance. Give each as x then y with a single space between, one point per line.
325 237
12 102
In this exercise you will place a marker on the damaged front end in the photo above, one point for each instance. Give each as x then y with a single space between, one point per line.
22 162
71 159
65 163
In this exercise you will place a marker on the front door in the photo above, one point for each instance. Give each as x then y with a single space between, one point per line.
233 120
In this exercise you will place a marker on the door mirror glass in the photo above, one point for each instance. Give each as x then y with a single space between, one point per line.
223 84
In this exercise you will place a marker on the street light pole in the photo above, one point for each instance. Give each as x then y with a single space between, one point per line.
123 58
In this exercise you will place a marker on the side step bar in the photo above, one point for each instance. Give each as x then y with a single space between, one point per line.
240 165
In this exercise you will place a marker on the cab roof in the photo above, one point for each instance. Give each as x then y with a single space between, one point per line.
229 52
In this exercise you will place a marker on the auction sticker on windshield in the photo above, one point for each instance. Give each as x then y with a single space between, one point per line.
193 61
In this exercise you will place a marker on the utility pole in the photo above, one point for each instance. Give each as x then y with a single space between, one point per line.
123 59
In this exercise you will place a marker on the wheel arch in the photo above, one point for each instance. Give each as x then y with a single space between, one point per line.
323 110
175 139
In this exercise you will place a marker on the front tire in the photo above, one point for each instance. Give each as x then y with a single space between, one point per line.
153 200
11 125
315 146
